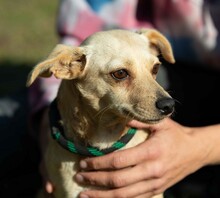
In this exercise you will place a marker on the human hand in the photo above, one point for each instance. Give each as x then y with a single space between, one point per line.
171 153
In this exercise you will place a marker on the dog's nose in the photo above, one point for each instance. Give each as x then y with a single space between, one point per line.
165 105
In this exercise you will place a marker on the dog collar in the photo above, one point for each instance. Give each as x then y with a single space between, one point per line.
57 133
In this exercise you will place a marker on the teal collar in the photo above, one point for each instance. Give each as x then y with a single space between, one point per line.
76 147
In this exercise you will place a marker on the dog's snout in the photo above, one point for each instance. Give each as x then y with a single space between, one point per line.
165 105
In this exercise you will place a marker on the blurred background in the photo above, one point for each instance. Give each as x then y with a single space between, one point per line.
27 35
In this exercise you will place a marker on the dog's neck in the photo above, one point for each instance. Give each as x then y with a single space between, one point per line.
82 122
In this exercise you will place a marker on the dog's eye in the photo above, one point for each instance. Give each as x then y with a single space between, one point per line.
120 74
155 69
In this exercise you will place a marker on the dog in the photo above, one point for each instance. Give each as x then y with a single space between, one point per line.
106 82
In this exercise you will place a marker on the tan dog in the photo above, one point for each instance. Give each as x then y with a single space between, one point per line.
107 81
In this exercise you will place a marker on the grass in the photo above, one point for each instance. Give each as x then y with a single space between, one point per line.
27 29
27 35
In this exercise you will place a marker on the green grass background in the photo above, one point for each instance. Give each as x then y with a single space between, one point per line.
27 35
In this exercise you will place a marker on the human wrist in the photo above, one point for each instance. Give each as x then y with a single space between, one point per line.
214 135
207 139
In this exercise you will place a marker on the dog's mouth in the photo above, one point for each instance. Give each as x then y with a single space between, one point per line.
135 116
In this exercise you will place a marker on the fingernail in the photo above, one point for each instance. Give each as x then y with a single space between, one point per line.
79 178
83 196
83 164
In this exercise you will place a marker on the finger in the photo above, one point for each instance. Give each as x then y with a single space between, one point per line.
49 187
163 125
152 127
117 178
137 124
117 160
135 190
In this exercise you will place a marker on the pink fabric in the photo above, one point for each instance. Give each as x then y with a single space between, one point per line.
177 18
82 29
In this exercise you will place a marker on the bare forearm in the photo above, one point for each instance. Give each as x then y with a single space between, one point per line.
209 138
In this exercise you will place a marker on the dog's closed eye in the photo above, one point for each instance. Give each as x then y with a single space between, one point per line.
120 74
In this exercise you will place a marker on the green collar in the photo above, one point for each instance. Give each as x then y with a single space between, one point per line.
77 148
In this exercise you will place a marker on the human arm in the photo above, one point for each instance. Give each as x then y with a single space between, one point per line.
170 154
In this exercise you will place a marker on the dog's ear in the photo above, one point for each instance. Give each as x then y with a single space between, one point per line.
64 62
158 44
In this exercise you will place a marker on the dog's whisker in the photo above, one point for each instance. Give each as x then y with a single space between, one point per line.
177 101
102 110
102 115
129 116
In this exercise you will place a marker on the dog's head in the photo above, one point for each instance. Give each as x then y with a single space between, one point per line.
115 70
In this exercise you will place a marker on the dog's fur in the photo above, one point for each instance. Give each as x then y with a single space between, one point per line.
94 103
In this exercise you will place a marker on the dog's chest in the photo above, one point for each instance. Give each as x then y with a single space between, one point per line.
63 165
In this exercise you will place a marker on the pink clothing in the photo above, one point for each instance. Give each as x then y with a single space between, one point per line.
178 19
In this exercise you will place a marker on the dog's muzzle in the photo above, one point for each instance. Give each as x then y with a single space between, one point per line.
165 105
